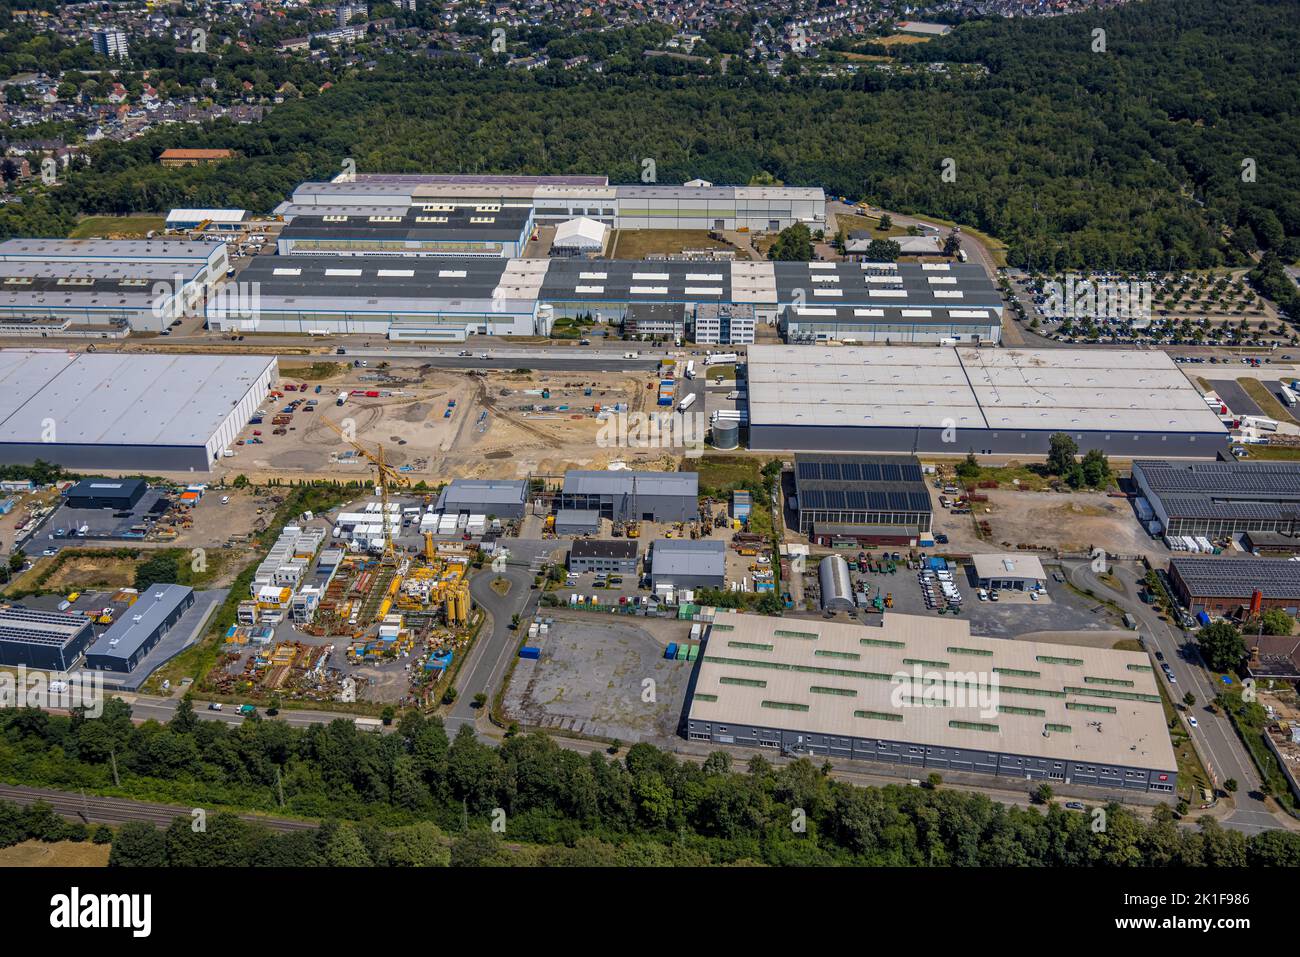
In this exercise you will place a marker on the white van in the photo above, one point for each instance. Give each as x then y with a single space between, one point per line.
225 500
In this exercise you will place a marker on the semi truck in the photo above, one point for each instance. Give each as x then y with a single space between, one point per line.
687 403
343 397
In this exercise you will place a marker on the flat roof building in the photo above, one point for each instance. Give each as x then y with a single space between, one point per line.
42 639
496 497
436 230
556 199
627 495
95 287
1220 499
925 693
119 494
861 499
1013 571
140 627
688 563
985 401
576 521
127 412
616 555
1220 586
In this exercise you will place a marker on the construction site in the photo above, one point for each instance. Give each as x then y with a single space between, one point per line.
341 610
437 423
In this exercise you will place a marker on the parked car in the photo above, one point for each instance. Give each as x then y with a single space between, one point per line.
214 706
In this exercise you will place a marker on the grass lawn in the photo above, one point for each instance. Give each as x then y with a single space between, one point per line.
901 39
723 472
727 373
1265 399
313 372
136 226
870 224
639 243
1273 453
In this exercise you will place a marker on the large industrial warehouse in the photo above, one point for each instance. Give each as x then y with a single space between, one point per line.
494 230
102 288
1064 713
558 198
985 401
137 413
1220 499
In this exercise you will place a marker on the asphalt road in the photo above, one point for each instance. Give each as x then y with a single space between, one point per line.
488 659
1216 742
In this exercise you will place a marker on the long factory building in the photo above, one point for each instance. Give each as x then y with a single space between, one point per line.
1221 499
126 412
103 288
921 692
556 199
452 298
986 401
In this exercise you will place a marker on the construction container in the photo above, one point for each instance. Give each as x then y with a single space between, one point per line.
671 651
530 651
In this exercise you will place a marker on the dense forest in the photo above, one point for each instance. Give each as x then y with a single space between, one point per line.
400 793
1129 158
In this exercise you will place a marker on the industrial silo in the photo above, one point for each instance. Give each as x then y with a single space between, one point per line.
837 589
726 434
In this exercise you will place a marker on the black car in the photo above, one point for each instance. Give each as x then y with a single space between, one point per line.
1160 656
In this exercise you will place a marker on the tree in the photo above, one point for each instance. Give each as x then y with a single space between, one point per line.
158 568
138 844
1277 622
1042 794
475 848
1096 468
883 251
886 222
969 468
793 244
1222 646
1189 700
1061 453
1231 785
951 244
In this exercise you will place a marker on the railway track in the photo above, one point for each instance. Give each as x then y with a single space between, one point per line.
92 809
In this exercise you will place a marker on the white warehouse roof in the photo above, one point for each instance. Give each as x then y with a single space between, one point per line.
199 215
102 399
935 388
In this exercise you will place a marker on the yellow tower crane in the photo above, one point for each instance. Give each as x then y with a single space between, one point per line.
385 475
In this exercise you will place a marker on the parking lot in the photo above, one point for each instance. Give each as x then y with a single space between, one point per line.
1013 615
604 676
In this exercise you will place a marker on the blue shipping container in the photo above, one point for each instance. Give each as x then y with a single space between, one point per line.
1203 618
671 651
528 651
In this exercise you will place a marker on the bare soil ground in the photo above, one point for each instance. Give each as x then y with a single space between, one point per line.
1070 523
58 854
493 432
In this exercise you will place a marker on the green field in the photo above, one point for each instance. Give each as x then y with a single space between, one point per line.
117 227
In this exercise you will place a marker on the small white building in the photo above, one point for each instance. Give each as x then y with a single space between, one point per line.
1012 571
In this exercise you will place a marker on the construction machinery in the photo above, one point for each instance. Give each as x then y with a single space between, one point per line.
385 475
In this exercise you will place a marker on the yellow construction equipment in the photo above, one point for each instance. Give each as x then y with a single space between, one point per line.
385 475
429 552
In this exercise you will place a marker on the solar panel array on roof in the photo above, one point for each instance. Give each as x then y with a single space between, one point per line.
1265 491
860 482
1276 579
